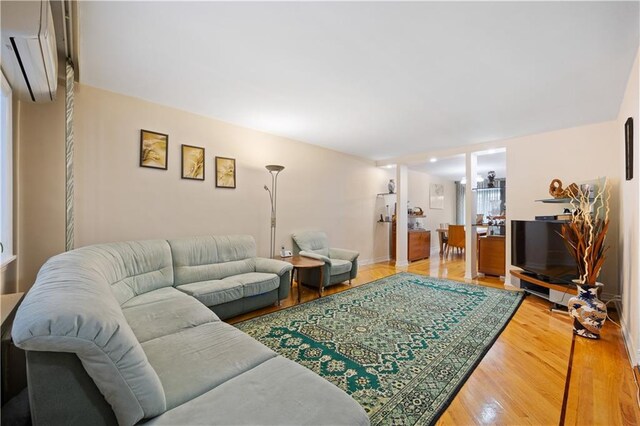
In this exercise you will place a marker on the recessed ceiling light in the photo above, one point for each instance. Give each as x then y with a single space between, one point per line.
433 159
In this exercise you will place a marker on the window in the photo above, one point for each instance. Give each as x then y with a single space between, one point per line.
491 201
6 176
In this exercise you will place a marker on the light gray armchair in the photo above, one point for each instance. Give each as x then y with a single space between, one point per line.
339 264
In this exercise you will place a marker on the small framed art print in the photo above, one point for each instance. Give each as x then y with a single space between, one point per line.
192 162
153 149
225 172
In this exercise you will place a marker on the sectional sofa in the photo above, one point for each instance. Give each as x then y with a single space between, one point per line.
127 333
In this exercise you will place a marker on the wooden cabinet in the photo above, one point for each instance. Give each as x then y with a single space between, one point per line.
419 243
491 257
393 240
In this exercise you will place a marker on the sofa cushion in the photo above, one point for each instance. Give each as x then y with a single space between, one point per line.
166 316
255 283
214 292
197 360
339 266
211 257
71 308
276 392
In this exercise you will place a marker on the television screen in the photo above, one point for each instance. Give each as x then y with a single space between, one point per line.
538 248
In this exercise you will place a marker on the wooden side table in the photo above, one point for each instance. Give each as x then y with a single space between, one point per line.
302 262
9 303
13 364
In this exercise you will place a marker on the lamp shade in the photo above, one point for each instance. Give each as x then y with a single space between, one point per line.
274 168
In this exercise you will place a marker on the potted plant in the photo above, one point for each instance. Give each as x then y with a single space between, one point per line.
584 236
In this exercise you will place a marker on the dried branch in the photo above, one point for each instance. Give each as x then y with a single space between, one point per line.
585 235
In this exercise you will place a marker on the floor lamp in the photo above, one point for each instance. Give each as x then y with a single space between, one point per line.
274 171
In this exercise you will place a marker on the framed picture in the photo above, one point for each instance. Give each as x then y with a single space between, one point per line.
153 149
436 196
225 172
628 148
192 162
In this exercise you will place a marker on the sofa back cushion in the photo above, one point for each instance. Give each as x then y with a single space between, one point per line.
133 268
212 257
72 308
313 241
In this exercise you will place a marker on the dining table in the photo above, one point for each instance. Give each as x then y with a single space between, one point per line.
442 232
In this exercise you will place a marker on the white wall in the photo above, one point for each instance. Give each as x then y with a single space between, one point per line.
40 190
118 200
573 155
629 243
382 232
419 187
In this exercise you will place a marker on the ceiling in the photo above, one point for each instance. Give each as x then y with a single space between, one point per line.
373 79
454 168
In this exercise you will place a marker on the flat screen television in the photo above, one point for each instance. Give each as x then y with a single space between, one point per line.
538 248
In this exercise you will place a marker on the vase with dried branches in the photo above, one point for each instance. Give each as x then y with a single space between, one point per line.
584 237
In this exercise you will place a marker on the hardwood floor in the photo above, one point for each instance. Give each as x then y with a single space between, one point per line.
521 380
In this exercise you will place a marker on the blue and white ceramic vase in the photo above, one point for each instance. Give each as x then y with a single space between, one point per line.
588 312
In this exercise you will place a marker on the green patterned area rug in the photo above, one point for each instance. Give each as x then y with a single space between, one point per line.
401 346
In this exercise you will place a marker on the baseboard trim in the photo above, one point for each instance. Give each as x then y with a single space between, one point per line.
401 263
372 261
632 351
609 296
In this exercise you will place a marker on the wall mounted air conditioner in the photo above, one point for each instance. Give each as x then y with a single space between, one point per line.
28 53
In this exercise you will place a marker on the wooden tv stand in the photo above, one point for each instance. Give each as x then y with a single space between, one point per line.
558 287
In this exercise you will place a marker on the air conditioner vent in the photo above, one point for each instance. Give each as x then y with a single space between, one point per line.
30 61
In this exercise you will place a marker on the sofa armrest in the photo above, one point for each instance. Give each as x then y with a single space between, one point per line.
272 266
343 254
280 268
317 256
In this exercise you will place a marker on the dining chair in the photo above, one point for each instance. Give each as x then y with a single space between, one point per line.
456 238
444 237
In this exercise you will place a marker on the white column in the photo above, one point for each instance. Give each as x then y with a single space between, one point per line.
471 245
402 196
